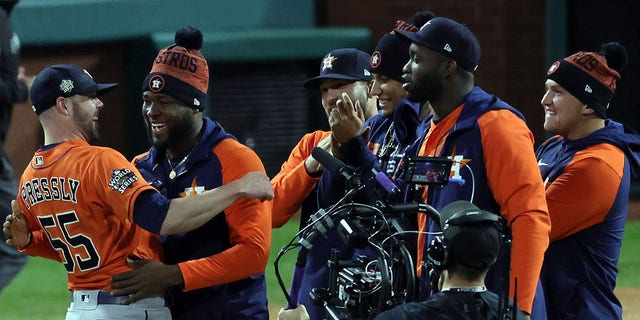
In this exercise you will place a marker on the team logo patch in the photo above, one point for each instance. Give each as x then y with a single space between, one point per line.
156 83
121 179
553 67
66 85
39 160
327 62
376 59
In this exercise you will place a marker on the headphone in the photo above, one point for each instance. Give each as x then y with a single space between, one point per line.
438 251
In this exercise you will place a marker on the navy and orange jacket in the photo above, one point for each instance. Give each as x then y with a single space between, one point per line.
293 184
222 262
587 185
492 151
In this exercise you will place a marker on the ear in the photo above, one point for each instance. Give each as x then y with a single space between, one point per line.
61 106
587 111
447 68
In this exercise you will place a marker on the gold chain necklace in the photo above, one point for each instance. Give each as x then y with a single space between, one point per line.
173 174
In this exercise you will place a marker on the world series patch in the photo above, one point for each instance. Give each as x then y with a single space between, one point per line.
121 179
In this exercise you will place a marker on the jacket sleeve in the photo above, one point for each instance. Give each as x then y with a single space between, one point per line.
249 223
516 184
293 183
584 193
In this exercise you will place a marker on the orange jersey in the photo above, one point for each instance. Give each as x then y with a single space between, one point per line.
78 200
293 183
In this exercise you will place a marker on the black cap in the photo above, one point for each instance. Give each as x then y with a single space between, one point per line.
63 80
347 64
389 56
472 234
448 37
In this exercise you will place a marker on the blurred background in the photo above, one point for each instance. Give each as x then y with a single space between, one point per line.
261 51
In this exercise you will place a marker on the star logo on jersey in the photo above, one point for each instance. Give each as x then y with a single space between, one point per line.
327 62
122 179
66 85
193 190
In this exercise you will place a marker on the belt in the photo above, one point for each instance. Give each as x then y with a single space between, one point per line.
104 297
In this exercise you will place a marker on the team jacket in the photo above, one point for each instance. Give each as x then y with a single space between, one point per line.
492 153
587 184
382 137
400 133
78 200
222 262
293 184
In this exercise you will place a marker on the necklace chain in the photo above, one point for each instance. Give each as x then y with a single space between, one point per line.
172 173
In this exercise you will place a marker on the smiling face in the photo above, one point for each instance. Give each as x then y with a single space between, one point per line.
388 93
564 113
332 90
169 122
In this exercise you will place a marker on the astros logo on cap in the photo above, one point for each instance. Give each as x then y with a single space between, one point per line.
156 83
327 62
553 67
376 59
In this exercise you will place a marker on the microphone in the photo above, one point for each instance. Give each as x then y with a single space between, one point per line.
335 166
385 182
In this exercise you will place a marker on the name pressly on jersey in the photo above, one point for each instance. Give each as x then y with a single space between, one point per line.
47 189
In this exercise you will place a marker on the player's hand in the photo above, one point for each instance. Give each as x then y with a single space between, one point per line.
149 278
311 164
16 228
346 119
256 185
298 313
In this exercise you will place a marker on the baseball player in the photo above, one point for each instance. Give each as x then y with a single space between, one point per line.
80 201
587 168
343 73
487 142
215 271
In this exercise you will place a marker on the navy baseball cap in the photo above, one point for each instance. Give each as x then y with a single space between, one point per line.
347 64
63 80
448 37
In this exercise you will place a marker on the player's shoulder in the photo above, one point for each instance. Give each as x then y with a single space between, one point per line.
314 137
604 152
501 117
230 150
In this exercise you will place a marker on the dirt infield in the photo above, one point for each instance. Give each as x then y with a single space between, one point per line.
630 298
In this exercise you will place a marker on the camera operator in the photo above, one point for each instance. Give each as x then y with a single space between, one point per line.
468 246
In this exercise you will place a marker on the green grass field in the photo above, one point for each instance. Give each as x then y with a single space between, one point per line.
39 291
